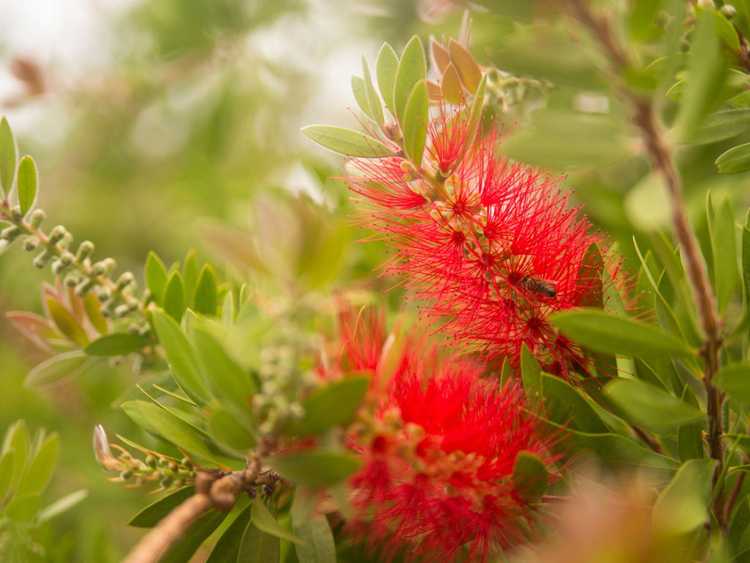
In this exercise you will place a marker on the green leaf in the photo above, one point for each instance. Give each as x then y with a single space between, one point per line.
386 67
265 522
62 505
66 322
174 296
530 477
156 277
603 332
475 114
706 75
317 545
651 406
531 375
331 405
618 450
224 376
723 125
467 67
160 422
734 380
228 546
7 157
6 474
181 358
154 512
184 548
18 440
258 546
189 276
42 466
358 89
56 367
724 249
27 184
641 19
734 160
225 428
565 405
206 300
412 68
416 118
94 313
373 102
23 508
683 505
315 468
346 141
116 344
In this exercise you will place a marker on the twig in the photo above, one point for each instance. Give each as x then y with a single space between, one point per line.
645 118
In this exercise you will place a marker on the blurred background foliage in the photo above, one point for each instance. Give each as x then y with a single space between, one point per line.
175 125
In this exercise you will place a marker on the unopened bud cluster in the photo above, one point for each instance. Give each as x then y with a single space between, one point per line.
280 380
74 265
155 467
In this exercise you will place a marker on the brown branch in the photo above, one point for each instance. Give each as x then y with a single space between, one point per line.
155 543
647 121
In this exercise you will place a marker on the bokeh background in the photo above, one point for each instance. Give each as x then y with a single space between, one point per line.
174 125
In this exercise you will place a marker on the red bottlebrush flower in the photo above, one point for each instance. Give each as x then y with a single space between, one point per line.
438 452
490 245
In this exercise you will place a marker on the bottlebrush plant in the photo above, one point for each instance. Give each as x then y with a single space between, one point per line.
318 426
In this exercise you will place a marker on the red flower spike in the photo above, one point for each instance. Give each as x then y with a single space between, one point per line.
438 454
492 246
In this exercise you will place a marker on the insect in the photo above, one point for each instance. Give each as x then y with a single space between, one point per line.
542 287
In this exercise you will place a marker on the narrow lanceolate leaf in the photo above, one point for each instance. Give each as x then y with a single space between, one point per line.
228 546
467 67
224 376
158 421
6 473
603 332
66 322
651 406
180 355
7 157
198 532
386 66
724 249
206 300
27 184
451 86
56 367
315 468
734 380
154 512
416 117
42 466
258 547
683 505
475 114
334 404
18 440
746 267
116 344
411 69
156 277
373 101
734 160
174 296
265 521
228 430
358 90
440 55
530 477
531 375
317 545
62 505
346 141
707 71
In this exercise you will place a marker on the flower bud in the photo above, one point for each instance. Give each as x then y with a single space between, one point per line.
36 218
57 234
85 250
31 244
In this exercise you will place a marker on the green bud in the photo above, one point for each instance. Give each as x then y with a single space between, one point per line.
728 11
71 280
126 475
150 461
57 234
10 233
36 218
83 287
85 250
31 244
125 280
42 259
